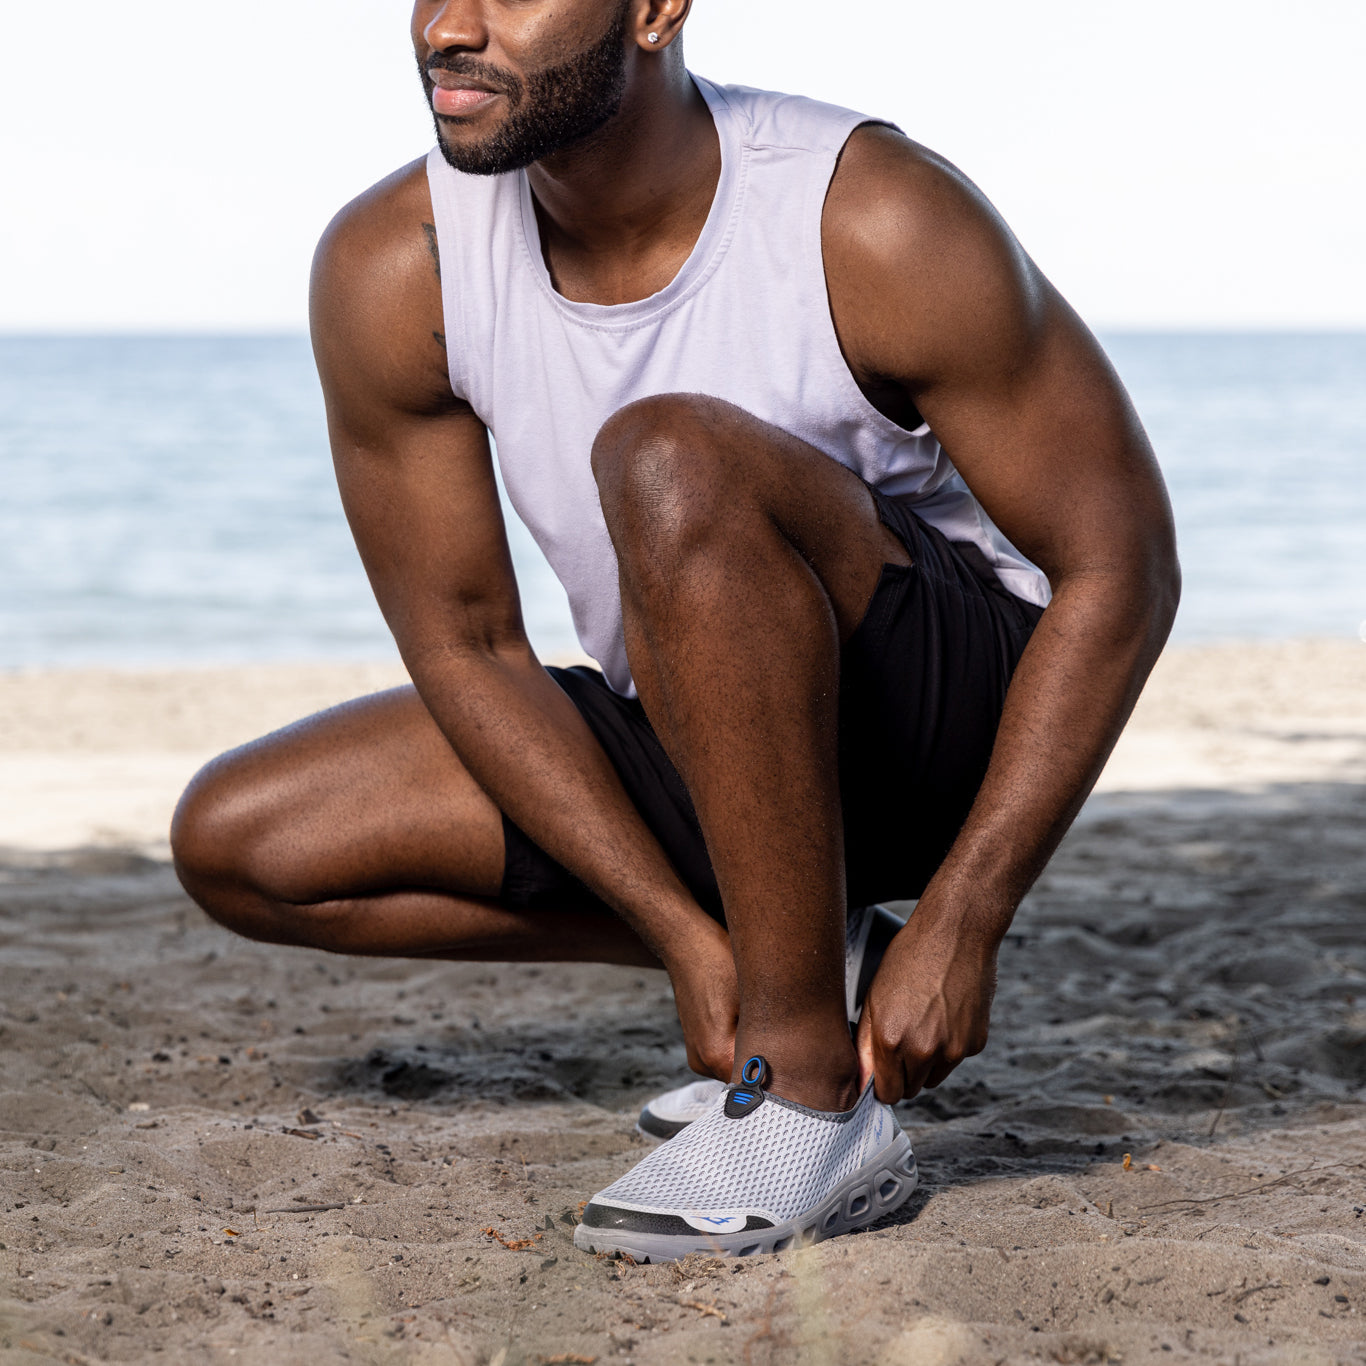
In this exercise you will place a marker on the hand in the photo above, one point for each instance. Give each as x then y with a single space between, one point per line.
928 1008
707 996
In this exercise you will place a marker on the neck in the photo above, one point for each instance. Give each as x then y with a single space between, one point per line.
620 212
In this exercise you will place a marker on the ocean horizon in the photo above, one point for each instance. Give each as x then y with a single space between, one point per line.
169 499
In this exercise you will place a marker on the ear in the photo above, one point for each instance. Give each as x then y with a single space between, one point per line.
659 22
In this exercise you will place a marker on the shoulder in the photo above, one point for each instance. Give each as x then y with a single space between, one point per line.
377 239
917 258
375 293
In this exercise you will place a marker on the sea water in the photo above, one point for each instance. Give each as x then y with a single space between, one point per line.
171 500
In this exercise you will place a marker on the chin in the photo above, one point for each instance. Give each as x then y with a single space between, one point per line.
478 158
459 145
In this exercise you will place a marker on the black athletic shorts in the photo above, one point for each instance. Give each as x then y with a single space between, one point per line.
922 682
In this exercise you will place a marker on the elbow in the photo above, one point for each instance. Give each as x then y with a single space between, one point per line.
1163 588
458 635
1130 597
453 653
1146 594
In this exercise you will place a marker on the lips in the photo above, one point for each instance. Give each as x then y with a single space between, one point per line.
461 100
459 95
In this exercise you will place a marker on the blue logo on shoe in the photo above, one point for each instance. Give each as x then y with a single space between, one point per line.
717 1223
742 1101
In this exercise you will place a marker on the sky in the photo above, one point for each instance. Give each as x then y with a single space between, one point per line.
1171 164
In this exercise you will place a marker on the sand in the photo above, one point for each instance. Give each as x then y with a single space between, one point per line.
1186 986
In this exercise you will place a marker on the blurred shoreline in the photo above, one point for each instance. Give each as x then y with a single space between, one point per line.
173 499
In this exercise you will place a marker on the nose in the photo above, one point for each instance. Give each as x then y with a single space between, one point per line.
454 24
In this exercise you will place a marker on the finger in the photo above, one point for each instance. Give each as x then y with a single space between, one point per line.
915 1074
937 1075
889 1077
863 1044
939 1072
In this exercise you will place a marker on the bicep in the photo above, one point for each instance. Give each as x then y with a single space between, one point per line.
1038 424
935 293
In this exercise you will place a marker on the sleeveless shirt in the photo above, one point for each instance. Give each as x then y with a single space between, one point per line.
746 319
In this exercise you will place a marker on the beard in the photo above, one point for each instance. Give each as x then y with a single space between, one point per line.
552 108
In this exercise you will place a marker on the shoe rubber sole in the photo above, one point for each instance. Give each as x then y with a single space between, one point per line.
652 1126
878 1187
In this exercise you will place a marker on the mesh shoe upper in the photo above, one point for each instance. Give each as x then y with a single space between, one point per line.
689 1102
777 1162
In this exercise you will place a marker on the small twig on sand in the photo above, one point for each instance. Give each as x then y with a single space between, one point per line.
1270 1285
693 1265
512 1244
702 1307
765 1329
1251 1190
1232 1077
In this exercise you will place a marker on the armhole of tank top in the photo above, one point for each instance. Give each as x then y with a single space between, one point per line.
446 221
816 241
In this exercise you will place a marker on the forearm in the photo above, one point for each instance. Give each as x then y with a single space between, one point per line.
1073 690
527 746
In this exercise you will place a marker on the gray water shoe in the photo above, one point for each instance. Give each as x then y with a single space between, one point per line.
867 933
755 1173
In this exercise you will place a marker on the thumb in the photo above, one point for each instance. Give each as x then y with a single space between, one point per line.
863 1044
877 1065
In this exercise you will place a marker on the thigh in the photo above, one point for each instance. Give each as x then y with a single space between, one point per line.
923 684
362 798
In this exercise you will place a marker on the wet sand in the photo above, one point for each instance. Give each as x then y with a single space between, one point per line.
1186 986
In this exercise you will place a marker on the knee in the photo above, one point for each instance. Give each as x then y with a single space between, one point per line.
201 826
659 467
217 838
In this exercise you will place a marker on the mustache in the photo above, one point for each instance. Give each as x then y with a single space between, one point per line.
463 64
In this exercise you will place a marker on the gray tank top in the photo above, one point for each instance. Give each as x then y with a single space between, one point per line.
746 319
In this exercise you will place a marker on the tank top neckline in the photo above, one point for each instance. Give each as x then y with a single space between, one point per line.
702 262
